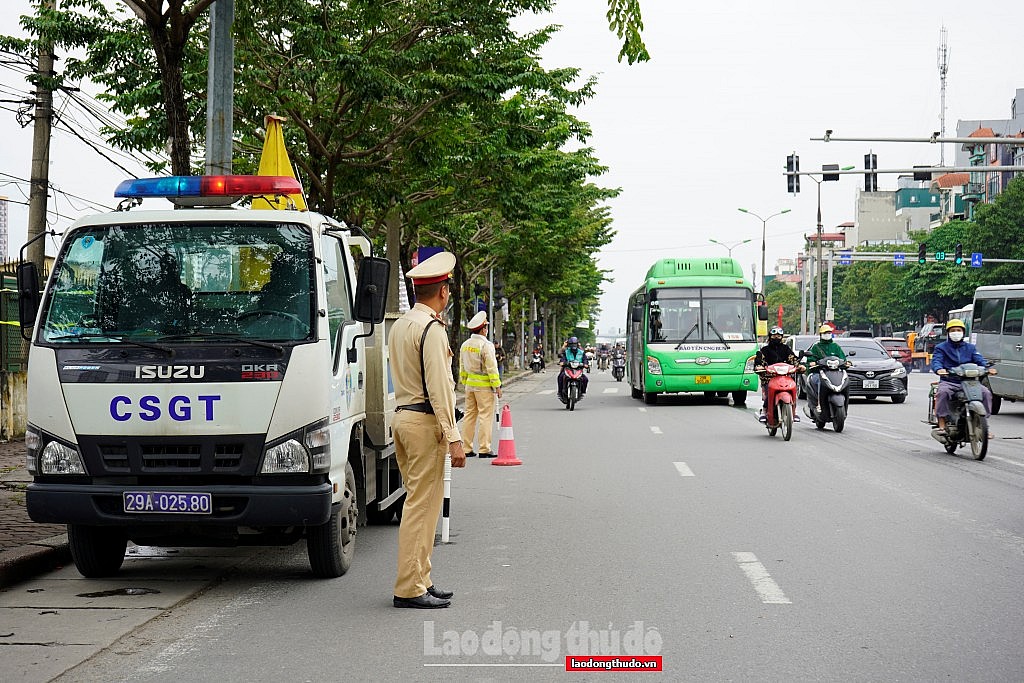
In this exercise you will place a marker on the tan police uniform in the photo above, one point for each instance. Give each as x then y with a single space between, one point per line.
478 372
421 438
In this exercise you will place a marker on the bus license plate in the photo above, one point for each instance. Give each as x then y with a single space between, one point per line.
168 502
871 384
703 379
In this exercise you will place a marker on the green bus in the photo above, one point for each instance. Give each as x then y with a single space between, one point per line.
692 327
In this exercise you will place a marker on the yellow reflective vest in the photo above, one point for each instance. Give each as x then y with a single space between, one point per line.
478 369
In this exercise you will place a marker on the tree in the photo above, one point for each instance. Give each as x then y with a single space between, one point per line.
780 294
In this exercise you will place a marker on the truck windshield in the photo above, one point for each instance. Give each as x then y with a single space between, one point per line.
701 314
175 280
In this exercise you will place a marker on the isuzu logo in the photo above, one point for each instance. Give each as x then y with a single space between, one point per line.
702 360
169 371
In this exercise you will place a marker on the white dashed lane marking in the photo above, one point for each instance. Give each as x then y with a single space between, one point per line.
684 470
656 430
611 390
762 581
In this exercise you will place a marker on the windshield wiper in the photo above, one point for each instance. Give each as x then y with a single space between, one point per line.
687 336
715 330
226 337
115 337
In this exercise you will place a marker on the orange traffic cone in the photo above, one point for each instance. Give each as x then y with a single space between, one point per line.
506 443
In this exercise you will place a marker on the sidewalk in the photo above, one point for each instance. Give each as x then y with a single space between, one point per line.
26 547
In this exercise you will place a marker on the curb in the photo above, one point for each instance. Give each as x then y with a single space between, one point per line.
32 559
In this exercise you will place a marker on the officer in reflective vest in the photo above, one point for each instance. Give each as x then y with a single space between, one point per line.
424 427
478 372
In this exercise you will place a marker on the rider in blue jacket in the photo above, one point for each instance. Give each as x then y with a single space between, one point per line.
953 352
572 352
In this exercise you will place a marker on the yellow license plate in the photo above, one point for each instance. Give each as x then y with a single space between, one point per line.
703 379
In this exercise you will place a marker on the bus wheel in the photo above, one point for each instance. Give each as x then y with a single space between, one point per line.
739 398
650 398
635 393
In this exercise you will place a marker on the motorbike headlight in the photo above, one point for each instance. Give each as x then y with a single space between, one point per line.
653 366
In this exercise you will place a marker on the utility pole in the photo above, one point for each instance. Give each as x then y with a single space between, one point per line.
220 89
39 182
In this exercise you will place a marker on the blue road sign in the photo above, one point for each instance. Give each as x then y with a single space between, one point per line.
976 259
898 259
845 258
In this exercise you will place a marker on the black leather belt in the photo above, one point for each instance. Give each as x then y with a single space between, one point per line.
417 408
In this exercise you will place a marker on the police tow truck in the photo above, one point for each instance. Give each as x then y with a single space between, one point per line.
209 375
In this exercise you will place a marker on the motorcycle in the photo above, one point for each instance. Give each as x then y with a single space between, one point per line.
602 362
781 398
618 368
573 384
833 401
590 360
536 363
968 421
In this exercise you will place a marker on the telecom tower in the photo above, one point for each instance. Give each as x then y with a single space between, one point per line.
943 62
3 229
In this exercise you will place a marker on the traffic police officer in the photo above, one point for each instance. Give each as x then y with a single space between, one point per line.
478 372
424 427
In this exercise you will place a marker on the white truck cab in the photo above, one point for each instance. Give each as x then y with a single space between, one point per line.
202 376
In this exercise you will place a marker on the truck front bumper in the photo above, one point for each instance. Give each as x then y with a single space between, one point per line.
233 506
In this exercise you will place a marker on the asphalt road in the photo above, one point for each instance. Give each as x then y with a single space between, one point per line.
681 530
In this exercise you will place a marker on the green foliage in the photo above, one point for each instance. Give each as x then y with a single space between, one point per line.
780 294
625 20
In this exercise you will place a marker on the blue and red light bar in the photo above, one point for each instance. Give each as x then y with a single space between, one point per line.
209 186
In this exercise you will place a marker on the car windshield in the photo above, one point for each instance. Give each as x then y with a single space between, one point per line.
132 283
864 351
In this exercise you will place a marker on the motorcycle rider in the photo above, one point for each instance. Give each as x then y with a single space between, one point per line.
773 352
538 350
946 356
825 346
572 352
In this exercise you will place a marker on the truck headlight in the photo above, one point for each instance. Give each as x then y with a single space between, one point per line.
653 366
58 458
303 451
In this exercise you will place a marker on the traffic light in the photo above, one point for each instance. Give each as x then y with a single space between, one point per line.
870 179
792 168
922 253
958 254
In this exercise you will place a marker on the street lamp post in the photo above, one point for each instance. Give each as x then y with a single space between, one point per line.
764 230
730 247
818 313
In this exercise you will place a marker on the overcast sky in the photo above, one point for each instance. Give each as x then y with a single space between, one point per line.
705 126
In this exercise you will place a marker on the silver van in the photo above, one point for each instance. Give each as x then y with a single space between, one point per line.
997 329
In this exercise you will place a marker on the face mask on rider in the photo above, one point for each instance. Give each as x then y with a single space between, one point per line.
956 336
826 337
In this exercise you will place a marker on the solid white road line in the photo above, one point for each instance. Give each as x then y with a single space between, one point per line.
1006 460
763 583
656 430
684 470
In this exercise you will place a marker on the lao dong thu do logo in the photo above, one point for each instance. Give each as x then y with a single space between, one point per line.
507 641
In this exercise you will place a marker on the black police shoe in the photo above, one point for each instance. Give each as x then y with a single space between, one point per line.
425 601
438 593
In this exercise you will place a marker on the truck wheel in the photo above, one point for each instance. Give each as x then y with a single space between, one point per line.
331 546
97 551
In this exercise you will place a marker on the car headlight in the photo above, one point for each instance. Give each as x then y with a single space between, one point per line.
58 458
899 372
653 366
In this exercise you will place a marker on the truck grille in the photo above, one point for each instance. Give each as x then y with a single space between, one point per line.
237 455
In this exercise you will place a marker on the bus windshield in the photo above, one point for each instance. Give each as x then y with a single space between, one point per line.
171 281
701 314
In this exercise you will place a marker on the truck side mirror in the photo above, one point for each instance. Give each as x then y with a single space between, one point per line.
762 312
637 314
372 289
29 296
